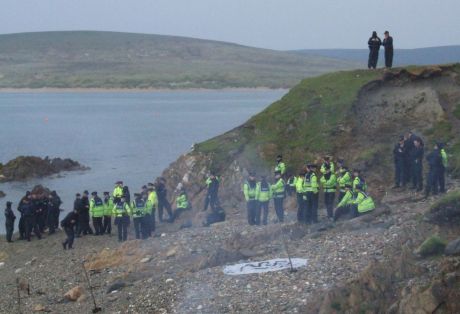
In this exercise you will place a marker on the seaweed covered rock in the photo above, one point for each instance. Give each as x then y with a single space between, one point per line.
26 167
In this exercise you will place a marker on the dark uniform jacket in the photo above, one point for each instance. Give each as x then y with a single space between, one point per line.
70 220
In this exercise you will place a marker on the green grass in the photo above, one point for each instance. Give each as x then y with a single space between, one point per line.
433 245
124 60
301 123
450 199
456 111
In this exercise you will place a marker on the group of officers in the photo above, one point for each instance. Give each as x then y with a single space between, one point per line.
408 159
351 187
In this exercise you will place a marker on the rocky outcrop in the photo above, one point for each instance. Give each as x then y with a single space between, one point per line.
26 167
2 194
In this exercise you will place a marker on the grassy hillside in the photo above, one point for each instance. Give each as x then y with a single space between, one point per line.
356 115
402 57
124 60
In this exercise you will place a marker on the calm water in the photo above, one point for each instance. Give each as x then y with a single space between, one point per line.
127 136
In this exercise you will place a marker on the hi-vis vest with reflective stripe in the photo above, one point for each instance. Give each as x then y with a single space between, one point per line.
121 209
139 208
250 193
365 202
278 189
96 207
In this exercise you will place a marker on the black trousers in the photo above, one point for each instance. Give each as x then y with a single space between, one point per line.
263 209
417 176
253 212
83 224
442 179
22 228
210 200
9 228
163 203
107 224
139 227
388 58
341 195
41 220
373 59
432 182
148 225
98 226
279 210
399 173
70 233
351 210
122 223
407 176
312 208
301 207
31 224
329 202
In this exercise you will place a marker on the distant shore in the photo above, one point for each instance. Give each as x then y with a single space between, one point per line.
133 90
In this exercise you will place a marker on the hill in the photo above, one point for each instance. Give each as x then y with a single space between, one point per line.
86 59
403 57
355 115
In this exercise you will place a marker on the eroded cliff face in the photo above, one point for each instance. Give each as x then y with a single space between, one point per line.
353 115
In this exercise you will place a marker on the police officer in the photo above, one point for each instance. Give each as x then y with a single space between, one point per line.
9 222
279 192
108 207
311 188
152 203
358 179
182 203
363 203
121 212
212 183
374 46
280 165
343 207
329 184
22 224
163 200
30 223
138 213
435 163
417 165
399 157
442 168
250 195
327 162
68 223
388 45
83 215
117 191
343 178
264 194
96 209
301 197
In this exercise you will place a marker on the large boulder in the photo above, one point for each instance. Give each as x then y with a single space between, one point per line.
25 167
453 247
446 210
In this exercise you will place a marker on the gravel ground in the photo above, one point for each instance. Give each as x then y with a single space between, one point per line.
181 271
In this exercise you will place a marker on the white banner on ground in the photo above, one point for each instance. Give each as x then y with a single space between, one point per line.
264 266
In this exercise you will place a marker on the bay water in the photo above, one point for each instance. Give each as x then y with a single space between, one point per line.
129 136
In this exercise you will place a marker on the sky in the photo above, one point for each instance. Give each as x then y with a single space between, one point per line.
274 24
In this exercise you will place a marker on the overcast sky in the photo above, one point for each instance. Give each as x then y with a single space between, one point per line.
277 24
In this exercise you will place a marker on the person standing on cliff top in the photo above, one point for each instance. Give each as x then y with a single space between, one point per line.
374 44
388 44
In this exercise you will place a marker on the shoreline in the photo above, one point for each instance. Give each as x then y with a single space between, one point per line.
134 90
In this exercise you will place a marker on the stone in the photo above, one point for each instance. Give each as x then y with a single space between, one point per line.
453 247
17 271
169 280
2 264
171 252
146 260
39 308
116 286
74 293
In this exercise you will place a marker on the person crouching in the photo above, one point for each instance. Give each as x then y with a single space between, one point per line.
68 224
